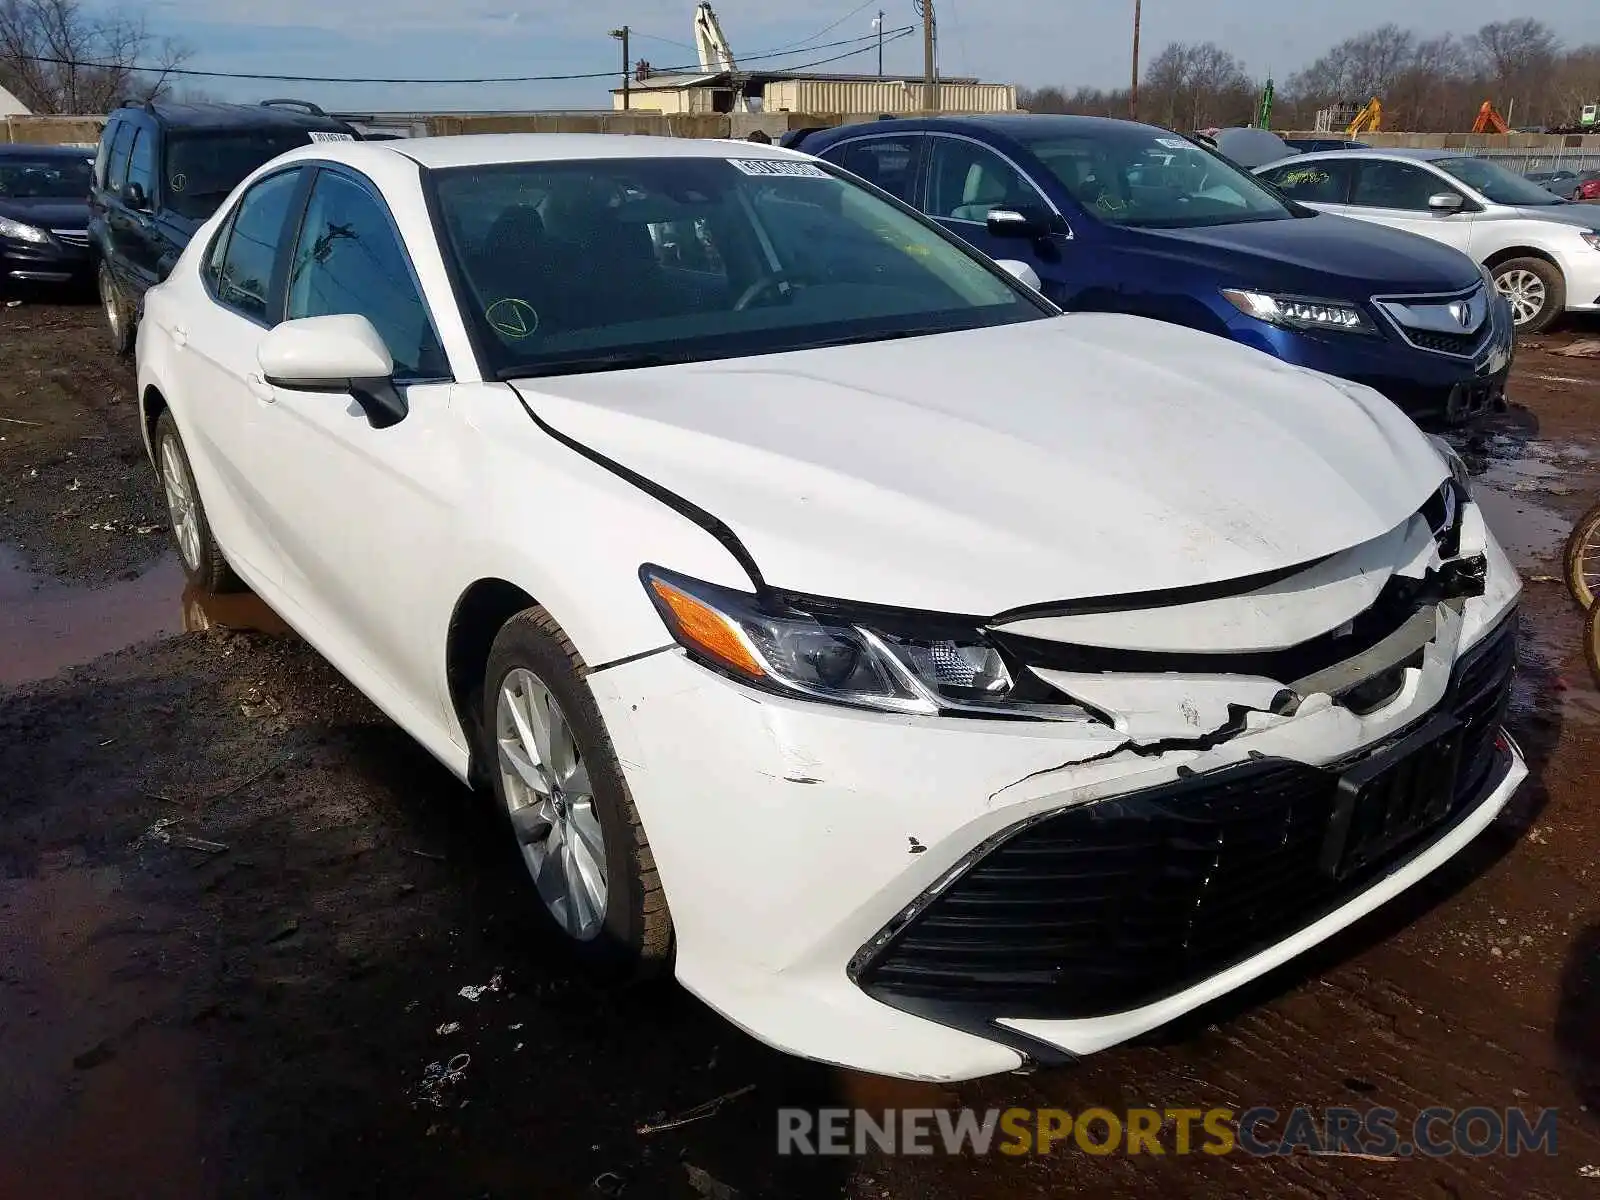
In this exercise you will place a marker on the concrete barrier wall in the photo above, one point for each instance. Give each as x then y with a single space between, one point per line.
39 130
51 131
1532 142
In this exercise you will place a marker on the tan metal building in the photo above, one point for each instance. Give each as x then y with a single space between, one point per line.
779 91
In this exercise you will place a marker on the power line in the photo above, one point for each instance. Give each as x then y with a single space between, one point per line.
803 42
870 39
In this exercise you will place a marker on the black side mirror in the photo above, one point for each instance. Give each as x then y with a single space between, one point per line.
134 197
1019 222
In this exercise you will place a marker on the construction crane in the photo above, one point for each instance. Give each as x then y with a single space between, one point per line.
1368 120
716 56
1489 120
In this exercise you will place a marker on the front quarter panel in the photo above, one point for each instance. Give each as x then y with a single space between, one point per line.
570 533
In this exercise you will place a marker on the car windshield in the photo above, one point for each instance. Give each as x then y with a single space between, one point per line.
578 266
1495 183
1136 175
57 177
202 168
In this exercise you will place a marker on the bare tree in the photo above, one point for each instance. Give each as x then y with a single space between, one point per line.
1358 68
60 56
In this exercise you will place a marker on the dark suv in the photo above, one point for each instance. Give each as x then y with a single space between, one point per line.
162 169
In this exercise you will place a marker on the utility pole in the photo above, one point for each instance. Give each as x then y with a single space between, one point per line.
878 25
627 66
1133 95
930 88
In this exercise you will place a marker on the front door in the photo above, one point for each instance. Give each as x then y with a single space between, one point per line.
358 511
1395 193
966 181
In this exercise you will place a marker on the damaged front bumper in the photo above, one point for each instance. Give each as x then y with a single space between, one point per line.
944 898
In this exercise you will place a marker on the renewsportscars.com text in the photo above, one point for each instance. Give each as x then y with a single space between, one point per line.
1260 1131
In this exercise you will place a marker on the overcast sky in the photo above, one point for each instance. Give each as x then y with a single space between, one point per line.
1066 42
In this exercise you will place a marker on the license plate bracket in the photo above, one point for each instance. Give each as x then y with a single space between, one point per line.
1387 799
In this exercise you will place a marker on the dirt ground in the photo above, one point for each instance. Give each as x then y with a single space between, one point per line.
238 909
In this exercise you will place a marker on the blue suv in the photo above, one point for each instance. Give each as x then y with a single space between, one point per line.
1118 216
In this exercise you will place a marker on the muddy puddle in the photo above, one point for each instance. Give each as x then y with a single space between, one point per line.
1512 481
47 626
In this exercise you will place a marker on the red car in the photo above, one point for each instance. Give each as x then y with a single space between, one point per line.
1589 189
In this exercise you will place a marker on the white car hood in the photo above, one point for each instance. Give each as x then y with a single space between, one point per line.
1083 456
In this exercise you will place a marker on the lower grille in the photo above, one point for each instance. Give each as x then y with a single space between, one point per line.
1463 344
1118 903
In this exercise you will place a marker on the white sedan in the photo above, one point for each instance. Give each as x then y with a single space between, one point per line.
937 683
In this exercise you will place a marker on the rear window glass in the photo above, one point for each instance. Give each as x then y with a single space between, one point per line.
202 168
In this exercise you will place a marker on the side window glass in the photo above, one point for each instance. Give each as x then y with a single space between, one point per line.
117 169
890 163
349 260
142 162
1387 184
1313 182
245 276
211 269
967 181
102 154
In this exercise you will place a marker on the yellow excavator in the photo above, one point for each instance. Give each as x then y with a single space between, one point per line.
1368 120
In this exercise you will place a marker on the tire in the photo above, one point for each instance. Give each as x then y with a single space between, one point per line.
119 313
535 670
1583 543
1524 281
202 559
1591 643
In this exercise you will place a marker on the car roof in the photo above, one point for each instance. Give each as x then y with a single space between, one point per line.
1014 125
1400 152
28 150
211 116
492 149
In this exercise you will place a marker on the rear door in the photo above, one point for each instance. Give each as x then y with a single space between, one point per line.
224 395
891 162
1322 183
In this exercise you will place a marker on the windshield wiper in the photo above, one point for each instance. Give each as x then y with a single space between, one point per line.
857 339
591 364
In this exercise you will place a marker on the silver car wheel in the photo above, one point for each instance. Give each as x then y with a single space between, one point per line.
1525 291
181 504
551 804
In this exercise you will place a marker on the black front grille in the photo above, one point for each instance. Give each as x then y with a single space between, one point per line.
1463 344
1118 903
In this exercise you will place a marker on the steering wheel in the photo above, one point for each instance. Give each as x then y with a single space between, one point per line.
767 283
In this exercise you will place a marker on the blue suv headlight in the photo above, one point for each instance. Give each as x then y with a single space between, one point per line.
1299 312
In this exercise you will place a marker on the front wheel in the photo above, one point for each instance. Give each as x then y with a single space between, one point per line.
1536 290
566 804
119 312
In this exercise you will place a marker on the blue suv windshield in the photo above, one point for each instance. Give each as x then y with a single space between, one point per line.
1141 176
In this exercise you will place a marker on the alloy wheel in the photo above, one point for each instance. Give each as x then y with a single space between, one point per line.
550 800
1525 291
108 299
181 504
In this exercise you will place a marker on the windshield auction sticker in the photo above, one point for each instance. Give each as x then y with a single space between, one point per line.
778 166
